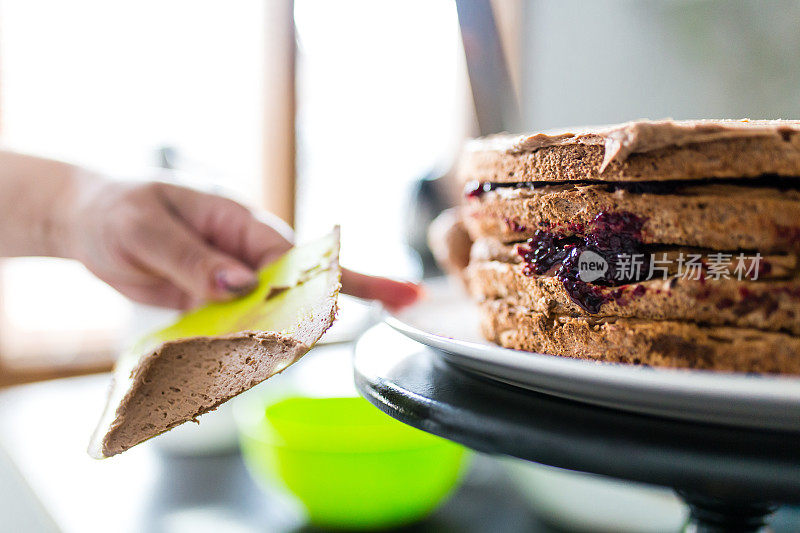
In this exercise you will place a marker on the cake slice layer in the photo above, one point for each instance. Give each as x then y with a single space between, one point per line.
720 217
664 343
768 305
638 151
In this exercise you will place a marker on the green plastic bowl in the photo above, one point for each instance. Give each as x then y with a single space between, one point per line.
349 464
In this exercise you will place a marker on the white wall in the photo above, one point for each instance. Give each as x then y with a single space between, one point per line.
601 61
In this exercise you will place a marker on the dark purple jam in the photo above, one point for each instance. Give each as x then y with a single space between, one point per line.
638 291
545 250
609 235
588 296
620 232
476 188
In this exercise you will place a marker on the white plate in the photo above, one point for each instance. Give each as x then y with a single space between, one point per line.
448 320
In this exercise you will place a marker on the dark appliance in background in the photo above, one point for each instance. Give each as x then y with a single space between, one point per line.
496 110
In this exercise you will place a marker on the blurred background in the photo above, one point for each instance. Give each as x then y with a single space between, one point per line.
332 112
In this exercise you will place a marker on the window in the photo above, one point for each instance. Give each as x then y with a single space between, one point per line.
107 85
382 102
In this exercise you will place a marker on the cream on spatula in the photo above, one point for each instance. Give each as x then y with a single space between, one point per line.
220 350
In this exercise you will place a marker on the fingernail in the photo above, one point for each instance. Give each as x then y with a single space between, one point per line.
235 280
421 292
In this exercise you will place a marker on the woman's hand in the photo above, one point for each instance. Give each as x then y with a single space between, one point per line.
171 246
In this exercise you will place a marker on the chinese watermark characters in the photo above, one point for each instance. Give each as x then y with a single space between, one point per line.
715 266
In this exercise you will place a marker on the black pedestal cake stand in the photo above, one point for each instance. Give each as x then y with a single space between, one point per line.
731 478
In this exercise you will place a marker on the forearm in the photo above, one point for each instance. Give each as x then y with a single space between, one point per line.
36 197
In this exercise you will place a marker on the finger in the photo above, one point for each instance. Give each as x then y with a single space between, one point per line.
229 226
235 230
393 294
175 253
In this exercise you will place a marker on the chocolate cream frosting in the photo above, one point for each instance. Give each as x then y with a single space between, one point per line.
622 140
160 385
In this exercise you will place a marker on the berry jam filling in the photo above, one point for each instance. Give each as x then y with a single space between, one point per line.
476 189
609 236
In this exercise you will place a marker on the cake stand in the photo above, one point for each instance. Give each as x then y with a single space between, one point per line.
732 478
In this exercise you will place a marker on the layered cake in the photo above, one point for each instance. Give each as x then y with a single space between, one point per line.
664 243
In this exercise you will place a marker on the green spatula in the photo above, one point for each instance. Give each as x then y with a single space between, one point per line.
222 349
